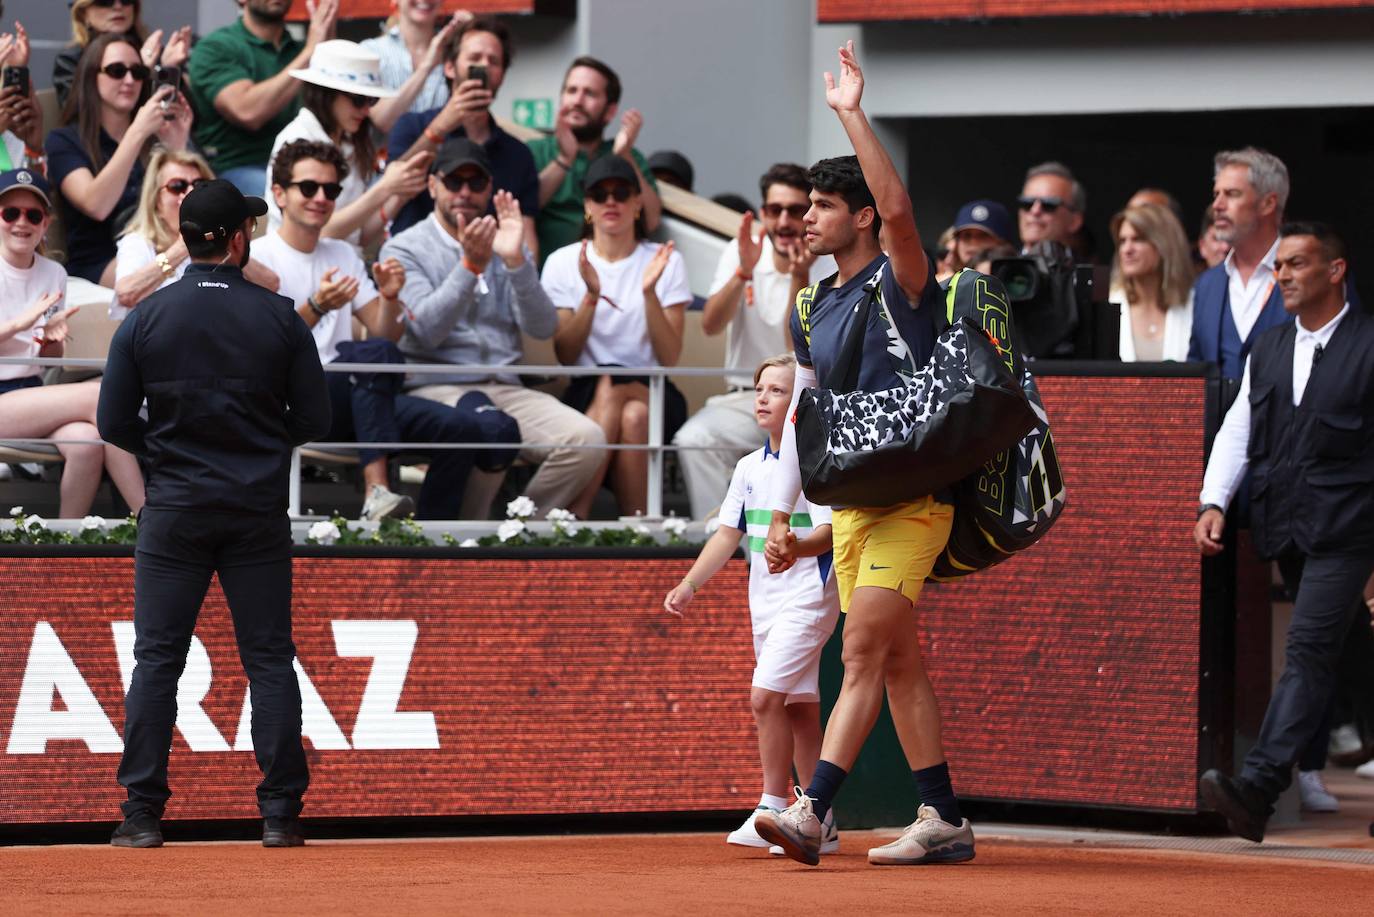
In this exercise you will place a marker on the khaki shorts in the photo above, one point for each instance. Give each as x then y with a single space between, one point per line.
892 547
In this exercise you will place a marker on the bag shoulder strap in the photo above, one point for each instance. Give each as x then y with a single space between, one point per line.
844 375
806 297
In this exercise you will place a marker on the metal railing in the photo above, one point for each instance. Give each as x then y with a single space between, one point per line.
655 446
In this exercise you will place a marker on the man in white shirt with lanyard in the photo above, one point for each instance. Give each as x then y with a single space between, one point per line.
1303 425
756 283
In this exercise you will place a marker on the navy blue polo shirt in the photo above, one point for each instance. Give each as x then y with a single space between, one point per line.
898 341
512 166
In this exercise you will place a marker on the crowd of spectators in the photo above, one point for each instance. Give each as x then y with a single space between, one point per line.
406 224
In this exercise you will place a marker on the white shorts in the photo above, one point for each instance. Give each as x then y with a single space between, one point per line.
788 658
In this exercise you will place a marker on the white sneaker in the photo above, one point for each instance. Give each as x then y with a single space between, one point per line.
1366 770
382 504
1315 796
1345 740
796 829
830 838
928 839
745 835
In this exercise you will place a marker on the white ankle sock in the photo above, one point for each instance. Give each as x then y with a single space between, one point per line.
773 802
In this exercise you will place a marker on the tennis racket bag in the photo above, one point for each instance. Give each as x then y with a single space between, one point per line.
1010 502
858 448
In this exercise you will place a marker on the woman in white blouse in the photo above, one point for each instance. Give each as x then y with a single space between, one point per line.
621 301
342 84
150 253
1152 279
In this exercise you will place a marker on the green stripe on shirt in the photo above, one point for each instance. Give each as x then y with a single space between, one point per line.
765 517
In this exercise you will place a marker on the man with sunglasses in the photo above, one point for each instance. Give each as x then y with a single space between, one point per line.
475 64
331 287
757 280
242 88
1051 206
473 292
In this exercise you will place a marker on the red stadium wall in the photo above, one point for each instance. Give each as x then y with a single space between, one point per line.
890 10
467 685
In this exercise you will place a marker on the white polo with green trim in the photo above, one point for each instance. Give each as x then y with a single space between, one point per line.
806 592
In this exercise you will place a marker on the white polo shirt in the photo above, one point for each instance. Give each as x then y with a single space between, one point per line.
806 591
759 330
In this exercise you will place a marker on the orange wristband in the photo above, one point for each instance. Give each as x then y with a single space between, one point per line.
471 268
739 272
433 138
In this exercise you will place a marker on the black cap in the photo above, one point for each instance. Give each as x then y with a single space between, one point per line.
674 163
458 152
610 166
213 211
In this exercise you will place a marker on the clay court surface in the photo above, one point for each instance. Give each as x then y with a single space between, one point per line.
660 874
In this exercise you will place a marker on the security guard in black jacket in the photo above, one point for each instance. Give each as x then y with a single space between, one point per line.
233 382
1304 424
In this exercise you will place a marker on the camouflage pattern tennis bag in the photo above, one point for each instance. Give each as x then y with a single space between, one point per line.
1012 501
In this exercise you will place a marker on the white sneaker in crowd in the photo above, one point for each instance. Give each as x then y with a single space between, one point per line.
382 504
928 839
1314 794
1345 740
830 838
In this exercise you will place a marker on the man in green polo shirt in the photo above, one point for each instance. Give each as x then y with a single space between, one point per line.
243 91
587 103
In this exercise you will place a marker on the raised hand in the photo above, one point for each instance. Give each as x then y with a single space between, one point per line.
630 124
509 243
152 49
36 309
176 124
408 177
750 249
845 95
589 275
567 141
434 53
14 49
335 294
390 277
148 120
657 263
178 49
468 99
799 260
476 238
322 20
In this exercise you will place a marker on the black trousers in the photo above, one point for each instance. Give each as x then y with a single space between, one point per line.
178 551
1328 587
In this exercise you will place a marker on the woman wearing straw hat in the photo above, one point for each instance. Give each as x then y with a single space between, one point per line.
342 83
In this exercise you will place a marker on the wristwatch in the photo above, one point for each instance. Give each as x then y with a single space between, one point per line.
1206 506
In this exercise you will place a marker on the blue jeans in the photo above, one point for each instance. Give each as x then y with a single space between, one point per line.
248 179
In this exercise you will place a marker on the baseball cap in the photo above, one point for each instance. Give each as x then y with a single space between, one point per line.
29 181
213 211
610 166
458 152
988 216
673 162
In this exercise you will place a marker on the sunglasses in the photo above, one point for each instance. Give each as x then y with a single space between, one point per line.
118 71
107 4
1047 204
179 186
795 211
454 183
310 188
32 214
600 194
359 101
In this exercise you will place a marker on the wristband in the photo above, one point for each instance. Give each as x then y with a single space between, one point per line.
695 587
433 138
739 272
315 307
471 268
565 166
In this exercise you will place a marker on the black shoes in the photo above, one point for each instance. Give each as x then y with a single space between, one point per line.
142 829
282 831
1245 810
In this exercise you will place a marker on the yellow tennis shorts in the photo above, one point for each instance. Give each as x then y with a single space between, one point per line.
892 547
